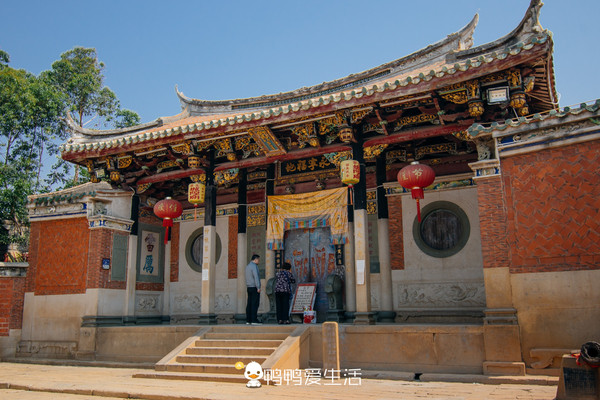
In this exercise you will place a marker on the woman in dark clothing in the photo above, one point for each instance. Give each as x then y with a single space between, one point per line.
283 289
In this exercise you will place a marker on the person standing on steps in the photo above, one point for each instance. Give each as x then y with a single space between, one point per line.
253 288
283 289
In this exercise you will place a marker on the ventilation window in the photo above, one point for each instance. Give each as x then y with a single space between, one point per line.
444 229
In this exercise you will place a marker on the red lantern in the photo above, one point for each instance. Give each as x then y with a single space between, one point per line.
416 177
168 209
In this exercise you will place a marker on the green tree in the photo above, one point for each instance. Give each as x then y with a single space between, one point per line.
15 185
15 103
32 114
4 59
79 76
126 118
30 110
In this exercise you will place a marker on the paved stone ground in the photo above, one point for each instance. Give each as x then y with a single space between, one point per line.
44 382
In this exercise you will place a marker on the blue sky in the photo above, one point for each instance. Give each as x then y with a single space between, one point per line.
217 50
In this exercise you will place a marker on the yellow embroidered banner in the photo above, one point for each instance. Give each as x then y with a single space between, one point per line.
308 210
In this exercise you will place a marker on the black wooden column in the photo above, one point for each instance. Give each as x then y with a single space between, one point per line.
242 200
207 305
242 247
383 245
363 315
380 177
210 201
360 189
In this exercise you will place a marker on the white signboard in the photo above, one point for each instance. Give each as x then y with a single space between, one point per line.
304 297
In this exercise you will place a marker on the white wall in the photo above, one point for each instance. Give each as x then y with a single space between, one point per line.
186 294
429 282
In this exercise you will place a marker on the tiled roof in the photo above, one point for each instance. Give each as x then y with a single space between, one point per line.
529 35
495 127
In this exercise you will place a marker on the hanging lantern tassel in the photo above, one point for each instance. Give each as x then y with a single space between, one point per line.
167 223
351 187
416 177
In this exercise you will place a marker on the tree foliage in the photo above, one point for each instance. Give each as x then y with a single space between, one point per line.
32 114
126 118
78 74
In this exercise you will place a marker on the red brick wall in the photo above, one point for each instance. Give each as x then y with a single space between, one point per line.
555 195
66 257
60 249
396 235
12 291
232 248
101 246
151 287
175 252
493 222
34 243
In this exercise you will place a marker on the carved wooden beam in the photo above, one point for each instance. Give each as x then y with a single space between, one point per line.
310 152
383 122
417 133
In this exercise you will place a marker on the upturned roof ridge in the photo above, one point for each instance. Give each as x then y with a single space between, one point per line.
529 25
495 127
79 131
450 64
457 41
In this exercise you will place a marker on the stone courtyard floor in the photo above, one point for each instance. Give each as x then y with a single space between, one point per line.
44 382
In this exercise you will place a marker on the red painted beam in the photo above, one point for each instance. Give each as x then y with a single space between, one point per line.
255 162
165 176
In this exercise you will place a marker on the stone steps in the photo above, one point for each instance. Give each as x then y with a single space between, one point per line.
246 335
232 351
253 343
219 359
214 354
194 376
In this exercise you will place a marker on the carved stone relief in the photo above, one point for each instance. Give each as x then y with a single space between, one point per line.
441 295
147 303
223 303
186 303
47 348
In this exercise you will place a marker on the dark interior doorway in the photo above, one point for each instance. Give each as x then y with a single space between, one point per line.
313 258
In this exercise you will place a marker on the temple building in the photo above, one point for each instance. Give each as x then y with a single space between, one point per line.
492 271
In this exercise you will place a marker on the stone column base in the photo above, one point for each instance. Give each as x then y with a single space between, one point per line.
364 318
503 368
268 317
239 318
386 316
207 319
86 349
349 316
335 315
